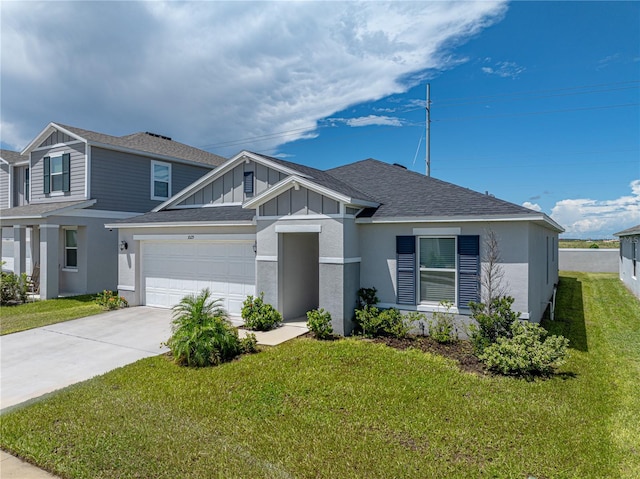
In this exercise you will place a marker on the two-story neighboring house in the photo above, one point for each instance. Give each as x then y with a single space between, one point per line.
58 193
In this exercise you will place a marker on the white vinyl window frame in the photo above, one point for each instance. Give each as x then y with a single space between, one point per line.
56 170
160 180
424 269
70 249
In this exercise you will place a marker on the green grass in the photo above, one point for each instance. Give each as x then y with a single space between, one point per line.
615 244
353 408
42 313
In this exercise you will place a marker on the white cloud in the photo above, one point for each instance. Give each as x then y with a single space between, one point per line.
368 121
532 206
207 73
588 218
505 69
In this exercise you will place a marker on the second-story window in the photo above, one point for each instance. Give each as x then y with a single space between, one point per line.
57 173
160 180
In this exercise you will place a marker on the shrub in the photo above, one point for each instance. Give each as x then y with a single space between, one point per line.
367 297
494 321
529 351
110 300
319 323
249 344
442 327
13 288
258 315
202 334
594 246
388 322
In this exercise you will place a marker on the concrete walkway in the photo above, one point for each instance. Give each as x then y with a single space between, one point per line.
42 360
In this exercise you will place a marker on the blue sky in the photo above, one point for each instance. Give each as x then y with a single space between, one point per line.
536 102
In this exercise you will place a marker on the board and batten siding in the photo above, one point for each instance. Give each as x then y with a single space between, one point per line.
56 138
4 185
122 181
76 174
300 202
229 188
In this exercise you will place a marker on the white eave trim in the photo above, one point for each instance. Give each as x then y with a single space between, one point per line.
46 132
295 181
185 224
460 219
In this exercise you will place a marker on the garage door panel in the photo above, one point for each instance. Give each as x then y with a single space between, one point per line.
173 270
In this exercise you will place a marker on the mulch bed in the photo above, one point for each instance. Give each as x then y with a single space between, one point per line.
460 351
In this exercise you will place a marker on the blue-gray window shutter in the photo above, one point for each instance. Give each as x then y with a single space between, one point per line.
47 174
406 269
248 182
66 166
468 270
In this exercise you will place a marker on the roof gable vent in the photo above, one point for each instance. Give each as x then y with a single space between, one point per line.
157 135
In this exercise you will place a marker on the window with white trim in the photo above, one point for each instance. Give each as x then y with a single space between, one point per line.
160 180
437 260
57 174
71 248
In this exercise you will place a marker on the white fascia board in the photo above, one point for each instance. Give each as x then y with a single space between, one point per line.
271 164
186 224
46 132
460 219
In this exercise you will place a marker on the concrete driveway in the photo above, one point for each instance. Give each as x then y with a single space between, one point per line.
41 360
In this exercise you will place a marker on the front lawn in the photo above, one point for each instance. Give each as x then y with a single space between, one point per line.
42 313
355 408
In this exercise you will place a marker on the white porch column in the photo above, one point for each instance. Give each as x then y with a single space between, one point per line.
49 270
19 249
35 246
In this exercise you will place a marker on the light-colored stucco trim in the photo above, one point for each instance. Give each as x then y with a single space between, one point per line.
298 228
245 238
437 231
122 287
271 259
337 260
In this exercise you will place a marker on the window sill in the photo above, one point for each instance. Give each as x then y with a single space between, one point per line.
56 193
70 270
157 198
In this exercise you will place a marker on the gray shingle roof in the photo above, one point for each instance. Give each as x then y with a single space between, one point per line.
209 214
39 209
405 193
12 157
323 178
634 230
147 143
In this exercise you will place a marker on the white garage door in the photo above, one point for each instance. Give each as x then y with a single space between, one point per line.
173 269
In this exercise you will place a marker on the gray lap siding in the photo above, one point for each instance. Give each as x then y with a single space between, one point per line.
122 181
76 174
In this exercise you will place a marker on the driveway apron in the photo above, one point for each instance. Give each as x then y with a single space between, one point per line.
45 359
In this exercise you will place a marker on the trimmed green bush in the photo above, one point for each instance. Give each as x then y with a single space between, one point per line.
442 327
258 315
494 321
367 297
202 334
373 322
249 344
530 351
13 288
319 323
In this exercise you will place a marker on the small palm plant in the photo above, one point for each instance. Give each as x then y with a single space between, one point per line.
202 334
